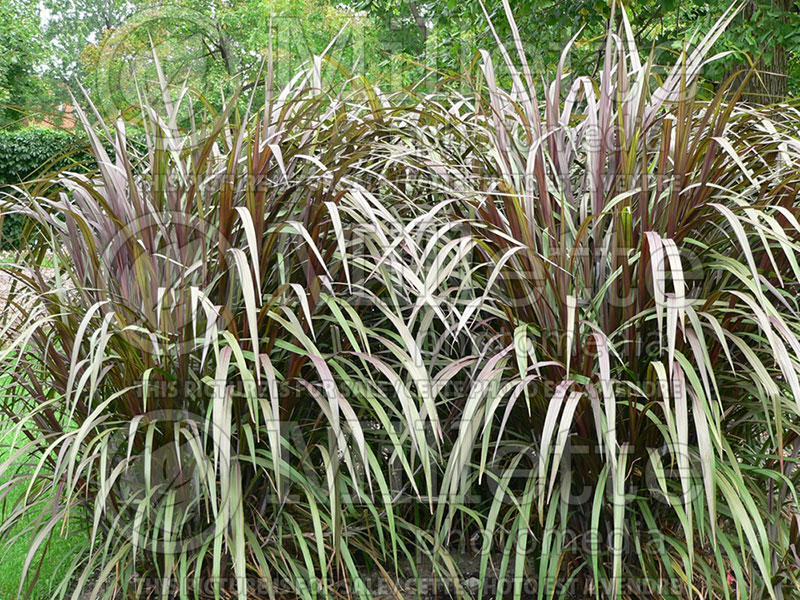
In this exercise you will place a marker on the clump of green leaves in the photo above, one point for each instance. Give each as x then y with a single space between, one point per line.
31 153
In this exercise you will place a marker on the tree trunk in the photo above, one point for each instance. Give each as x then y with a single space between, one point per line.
767 85
419 20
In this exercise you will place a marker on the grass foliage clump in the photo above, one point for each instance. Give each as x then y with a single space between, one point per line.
348 334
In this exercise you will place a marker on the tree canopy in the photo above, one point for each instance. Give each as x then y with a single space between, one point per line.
23 52
215 45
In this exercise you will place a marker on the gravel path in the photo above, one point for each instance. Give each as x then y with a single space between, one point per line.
5 285
10 316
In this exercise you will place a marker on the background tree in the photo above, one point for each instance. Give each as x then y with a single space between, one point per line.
210 45
21 41
765 33
69 25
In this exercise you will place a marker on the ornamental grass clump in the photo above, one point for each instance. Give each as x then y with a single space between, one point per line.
544 335
641 251
197 378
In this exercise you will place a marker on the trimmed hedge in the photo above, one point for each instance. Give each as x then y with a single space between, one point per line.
29 153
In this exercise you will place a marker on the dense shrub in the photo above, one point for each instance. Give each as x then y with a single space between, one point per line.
31 153
350 333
